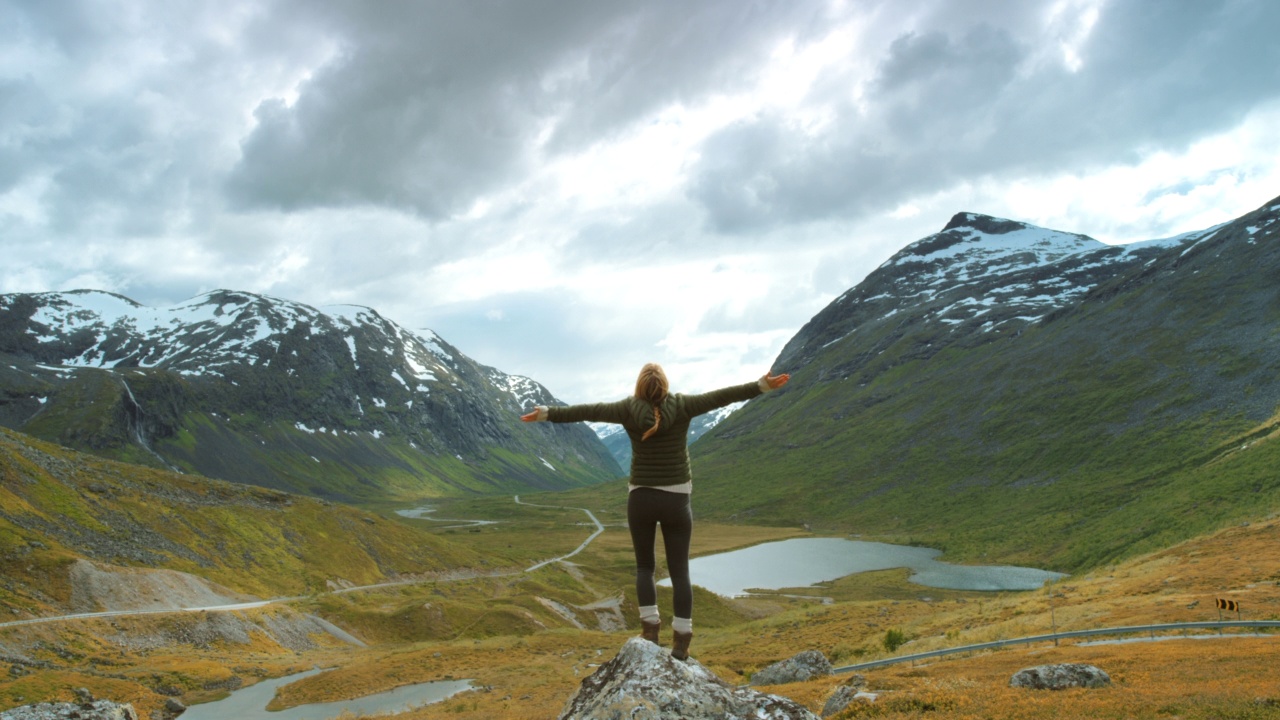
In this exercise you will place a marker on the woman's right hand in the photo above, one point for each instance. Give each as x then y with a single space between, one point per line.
538 413
776 381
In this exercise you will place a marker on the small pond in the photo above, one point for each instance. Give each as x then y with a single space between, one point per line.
251 703
804 562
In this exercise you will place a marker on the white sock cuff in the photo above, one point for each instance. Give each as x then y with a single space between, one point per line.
649 614
684 626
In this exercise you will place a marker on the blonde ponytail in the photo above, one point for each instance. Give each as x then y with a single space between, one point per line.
652 387
657 420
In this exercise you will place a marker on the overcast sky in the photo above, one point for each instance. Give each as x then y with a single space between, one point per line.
566 189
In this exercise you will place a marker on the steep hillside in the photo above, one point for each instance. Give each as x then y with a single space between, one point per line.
59 508
340 403
1003 390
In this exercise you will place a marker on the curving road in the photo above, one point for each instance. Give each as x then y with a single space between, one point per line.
1150 629
585 543
262 603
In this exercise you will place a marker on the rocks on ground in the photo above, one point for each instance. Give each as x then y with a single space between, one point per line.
94 710
645 683
852 690
1060 676
804 666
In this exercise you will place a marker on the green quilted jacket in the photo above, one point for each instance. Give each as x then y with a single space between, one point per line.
663 459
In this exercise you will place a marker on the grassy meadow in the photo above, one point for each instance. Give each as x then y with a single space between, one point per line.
528 639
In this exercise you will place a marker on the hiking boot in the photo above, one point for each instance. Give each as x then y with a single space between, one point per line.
649 631
680 645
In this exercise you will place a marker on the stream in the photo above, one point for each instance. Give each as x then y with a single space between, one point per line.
250 703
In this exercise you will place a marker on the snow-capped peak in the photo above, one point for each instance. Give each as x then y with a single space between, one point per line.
206 333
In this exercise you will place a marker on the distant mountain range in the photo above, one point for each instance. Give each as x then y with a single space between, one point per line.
337 402
998 388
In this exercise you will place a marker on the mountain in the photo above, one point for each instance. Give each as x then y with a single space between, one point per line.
998 389
619 445
336 402
62 508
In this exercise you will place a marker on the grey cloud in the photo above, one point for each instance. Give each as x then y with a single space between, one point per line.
119 110
430 105
959 104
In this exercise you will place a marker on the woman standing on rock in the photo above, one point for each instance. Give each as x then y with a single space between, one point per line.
658 424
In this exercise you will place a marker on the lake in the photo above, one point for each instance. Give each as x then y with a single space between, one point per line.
804 562
251 703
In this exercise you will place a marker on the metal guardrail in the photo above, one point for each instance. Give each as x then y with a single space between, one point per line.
995 644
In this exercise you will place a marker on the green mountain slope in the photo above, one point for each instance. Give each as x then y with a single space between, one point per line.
1066 409
57 506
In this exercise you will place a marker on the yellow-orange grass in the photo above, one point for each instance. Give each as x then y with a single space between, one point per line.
1182 678
532 677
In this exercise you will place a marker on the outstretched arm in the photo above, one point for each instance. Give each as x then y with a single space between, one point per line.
706 402
614 412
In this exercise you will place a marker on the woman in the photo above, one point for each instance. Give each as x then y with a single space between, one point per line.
658 425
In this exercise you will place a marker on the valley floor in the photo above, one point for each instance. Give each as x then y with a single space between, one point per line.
528 639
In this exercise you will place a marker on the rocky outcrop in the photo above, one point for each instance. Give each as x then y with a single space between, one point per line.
843 697
95 710
848 692
1060 677
645 683
803 666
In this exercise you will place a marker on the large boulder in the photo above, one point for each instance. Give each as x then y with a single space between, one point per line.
645 683
1061 676
95 710
804 666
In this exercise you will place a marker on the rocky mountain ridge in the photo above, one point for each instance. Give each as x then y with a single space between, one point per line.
252 388
977 278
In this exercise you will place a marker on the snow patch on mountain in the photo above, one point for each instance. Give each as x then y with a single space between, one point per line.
208 332
526 392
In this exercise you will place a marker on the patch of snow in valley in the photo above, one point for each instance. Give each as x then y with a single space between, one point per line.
833 342
544 462
605 430
715 417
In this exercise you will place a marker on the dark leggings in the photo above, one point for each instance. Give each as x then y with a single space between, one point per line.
646 509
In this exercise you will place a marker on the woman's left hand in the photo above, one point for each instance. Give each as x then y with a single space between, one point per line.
776 381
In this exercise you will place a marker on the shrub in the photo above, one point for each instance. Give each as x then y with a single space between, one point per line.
894 639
